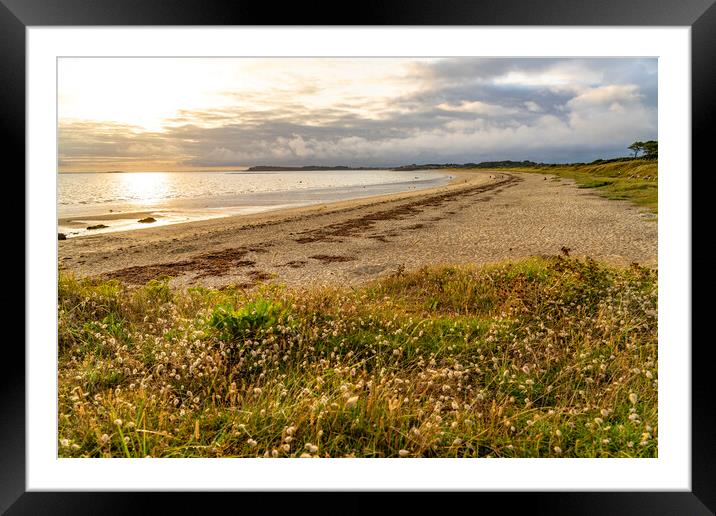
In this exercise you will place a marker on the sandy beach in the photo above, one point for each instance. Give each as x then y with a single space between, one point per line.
480 217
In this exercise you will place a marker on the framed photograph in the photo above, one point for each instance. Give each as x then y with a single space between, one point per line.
425 248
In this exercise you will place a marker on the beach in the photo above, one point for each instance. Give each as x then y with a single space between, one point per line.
480 217
353 257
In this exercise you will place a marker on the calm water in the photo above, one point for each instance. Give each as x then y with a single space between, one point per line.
114 199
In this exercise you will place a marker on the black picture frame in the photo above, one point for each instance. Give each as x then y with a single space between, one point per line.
700 15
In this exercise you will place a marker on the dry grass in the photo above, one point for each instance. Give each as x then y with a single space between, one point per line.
540 358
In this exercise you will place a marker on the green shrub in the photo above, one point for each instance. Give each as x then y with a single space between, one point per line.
248 321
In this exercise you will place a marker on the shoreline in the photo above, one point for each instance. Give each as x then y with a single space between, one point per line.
479 217
76 226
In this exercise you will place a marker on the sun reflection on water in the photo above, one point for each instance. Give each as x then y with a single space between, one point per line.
145 188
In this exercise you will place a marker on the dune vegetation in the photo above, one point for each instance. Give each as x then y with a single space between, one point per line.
634 180
544 357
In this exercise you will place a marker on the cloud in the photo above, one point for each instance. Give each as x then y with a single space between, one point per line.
477 107
454 110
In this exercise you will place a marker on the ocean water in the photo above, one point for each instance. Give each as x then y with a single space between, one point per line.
117 200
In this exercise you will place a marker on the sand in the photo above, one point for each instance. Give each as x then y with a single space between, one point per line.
480 217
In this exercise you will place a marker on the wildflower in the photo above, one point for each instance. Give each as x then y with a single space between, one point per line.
64 443
633 398
306 456
558 450
311 447
403 453
350 402
118 422
251 443
105 438
286 448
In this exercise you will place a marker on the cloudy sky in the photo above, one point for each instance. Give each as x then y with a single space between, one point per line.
176 114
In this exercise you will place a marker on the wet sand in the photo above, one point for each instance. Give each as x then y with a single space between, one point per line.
480 217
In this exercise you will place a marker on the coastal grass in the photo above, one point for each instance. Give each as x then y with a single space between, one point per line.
544 357
634 180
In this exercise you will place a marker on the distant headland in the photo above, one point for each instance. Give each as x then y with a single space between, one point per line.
431 166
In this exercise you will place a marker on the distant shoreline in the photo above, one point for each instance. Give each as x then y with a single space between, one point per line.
309 168
488 165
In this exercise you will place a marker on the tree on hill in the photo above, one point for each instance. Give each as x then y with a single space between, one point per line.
637 147
651 149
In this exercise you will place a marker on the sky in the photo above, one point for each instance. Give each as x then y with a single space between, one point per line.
202 113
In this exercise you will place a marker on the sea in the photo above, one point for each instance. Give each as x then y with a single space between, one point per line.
119 200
